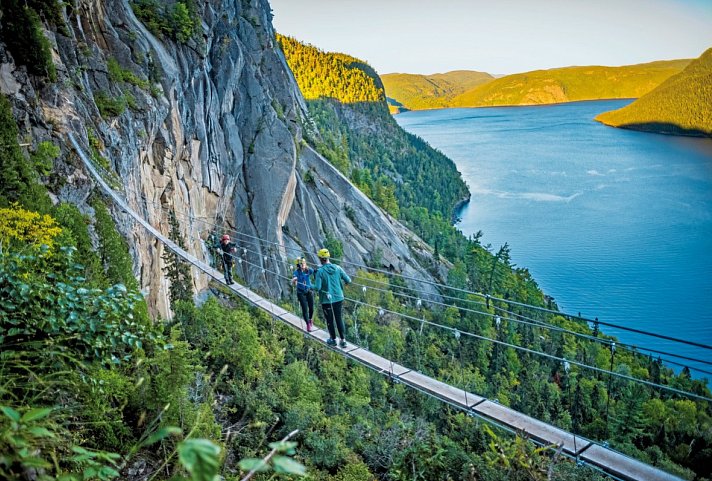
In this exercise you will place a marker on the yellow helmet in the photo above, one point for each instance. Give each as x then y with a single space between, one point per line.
323 254
299 261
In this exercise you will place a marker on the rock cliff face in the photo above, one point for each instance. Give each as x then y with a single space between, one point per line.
213 131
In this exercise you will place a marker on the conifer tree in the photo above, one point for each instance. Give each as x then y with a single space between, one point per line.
177 271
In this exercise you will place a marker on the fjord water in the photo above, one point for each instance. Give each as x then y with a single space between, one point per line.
612 223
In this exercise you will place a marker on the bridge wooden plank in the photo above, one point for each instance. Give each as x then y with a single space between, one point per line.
294 320
624 466
538 430
323 335
248 294
440 389
378 362
271 307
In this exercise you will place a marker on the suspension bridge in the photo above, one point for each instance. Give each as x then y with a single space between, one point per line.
584 451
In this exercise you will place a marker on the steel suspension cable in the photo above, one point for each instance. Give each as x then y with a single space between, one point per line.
540 324
445 286
528 306
514 346
539 353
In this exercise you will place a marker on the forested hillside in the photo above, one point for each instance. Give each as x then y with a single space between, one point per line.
399 171
567 84
416 92
681 105
571 84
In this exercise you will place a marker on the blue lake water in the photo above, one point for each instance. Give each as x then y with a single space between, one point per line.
612 223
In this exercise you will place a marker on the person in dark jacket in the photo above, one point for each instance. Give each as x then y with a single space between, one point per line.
228 251
302 279
327 283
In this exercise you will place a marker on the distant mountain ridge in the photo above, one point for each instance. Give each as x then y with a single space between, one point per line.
416 92
567 84
681 105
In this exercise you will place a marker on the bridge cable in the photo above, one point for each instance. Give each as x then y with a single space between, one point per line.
445 286
517 347
535 323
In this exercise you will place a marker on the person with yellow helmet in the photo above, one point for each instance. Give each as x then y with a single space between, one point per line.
302 279
327 283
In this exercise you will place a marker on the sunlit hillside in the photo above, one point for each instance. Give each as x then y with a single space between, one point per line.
415 92
680 105
331 75
571 84
399 171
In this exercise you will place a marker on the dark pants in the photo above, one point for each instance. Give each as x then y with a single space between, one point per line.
306 300
333 312
227 267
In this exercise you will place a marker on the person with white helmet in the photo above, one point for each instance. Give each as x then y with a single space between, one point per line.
327 283
228 251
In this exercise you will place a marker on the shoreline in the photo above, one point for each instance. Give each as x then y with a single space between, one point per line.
517 105
459 207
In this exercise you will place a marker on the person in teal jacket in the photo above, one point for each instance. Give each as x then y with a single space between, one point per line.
327 283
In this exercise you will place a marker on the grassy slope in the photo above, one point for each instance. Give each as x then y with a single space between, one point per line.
681 105
417 92
570 84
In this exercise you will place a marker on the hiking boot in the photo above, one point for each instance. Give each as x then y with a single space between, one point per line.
343 343
331 342
310 325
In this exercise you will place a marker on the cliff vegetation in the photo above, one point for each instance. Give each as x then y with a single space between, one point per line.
398 170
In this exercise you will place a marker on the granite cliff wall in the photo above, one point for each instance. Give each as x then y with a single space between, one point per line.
212 131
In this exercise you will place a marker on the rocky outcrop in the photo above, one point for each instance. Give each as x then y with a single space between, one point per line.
212 131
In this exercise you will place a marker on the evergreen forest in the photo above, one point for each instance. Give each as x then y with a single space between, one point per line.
682 105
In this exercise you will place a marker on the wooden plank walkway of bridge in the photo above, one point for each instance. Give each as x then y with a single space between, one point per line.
609 461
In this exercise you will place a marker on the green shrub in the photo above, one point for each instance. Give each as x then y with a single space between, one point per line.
43 157
113 249
179 21
230 337
66 345
183 23
335 246
97 324
110 106
75 233
120 74
18 177
24 34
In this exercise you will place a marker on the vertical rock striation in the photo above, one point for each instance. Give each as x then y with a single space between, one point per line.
211 129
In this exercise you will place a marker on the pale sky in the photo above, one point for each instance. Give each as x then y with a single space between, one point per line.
499 36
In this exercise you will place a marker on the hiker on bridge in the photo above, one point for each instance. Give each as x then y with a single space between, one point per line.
302 279
327 283
228 251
